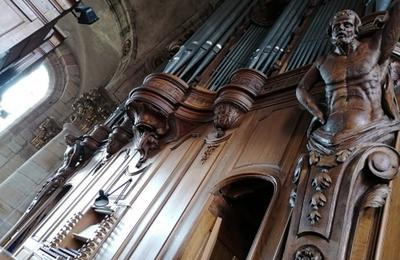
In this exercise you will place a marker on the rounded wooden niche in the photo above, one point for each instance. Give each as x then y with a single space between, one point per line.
230 223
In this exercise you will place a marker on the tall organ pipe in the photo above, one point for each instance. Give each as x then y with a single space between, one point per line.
237 56
275 30
283 41
309 36
324 38
218 46
198 38
285 30
228 26
230 66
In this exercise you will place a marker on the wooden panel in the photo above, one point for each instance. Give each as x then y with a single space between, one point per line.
162 178
166 213
271 134
389 248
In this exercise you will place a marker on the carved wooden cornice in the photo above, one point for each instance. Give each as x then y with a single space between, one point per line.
244 87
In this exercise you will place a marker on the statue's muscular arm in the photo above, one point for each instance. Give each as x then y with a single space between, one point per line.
391 32
311 77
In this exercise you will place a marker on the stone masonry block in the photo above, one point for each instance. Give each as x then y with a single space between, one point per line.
5 151
34 172
21 182
14 146
12 196
19 140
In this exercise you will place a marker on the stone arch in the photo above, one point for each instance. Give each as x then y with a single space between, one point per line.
64 87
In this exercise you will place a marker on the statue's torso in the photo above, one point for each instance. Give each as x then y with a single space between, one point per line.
353 89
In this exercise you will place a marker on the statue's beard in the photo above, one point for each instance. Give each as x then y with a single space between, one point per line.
345 43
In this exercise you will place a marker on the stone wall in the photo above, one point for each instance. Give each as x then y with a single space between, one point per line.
19 189
15 141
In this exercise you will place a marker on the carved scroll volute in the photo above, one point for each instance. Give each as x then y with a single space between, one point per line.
237 98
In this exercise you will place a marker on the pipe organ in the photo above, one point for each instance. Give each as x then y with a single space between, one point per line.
213 155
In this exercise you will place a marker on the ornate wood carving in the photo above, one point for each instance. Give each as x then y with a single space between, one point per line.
65 230
79 150
376 197
209 150
308 253
244 86
46 131
165 108
120 136
91 108
349 142
237 98
149 126
226 116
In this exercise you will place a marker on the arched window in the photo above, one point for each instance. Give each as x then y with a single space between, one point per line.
22 94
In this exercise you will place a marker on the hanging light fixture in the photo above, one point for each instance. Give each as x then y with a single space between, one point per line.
85 14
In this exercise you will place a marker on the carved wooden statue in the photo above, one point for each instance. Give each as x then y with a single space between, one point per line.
350 155
79 150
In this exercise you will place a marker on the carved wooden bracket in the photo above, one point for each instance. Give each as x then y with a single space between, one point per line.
164 107
237 98
120 136
243 88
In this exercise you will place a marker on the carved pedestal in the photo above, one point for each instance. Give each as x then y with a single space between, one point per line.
331 196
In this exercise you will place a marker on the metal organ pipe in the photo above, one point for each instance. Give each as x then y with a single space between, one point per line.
217 47
220 36
283 41
285 31
237 56
275 30
322 38
309 36
198 38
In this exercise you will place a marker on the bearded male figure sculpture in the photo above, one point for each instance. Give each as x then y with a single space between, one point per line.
358 97
351 158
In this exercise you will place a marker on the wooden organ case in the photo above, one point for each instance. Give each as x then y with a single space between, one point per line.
209 158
